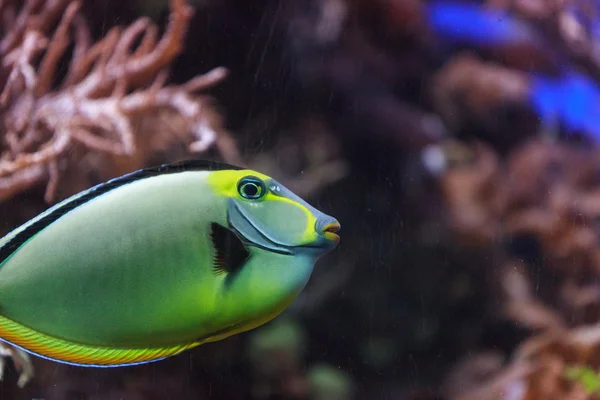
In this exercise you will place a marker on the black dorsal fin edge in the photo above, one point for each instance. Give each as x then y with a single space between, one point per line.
164 169
37 224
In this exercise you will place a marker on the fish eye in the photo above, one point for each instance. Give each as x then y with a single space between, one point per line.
251 188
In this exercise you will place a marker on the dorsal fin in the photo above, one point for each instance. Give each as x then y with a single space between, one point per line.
11 242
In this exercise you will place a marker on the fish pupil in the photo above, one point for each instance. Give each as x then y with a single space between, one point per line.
251 190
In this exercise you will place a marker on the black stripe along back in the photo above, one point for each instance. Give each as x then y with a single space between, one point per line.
37 225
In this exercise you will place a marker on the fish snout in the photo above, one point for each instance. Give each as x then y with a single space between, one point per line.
327 228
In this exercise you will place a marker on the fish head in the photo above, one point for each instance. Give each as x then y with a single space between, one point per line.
281 237
266 214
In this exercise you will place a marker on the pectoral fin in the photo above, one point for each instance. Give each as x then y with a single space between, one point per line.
230 252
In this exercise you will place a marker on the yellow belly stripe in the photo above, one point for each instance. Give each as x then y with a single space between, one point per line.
73 353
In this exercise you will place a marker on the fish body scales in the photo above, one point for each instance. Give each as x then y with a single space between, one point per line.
120 272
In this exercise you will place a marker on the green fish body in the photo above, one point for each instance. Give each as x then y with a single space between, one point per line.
150 264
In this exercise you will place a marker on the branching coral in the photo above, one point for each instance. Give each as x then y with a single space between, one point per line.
22 363
65 98
543 190
548 193
98 102
544 367
467 89
571 25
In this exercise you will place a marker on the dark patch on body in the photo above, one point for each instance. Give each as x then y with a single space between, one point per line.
230 252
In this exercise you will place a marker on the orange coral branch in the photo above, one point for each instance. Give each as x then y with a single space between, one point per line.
108 84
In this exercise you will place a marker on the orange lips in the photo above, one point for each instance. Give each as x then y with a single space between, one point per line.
329 231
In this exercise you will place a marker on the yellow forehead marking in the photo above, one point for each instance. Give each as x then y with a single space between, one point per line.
225 183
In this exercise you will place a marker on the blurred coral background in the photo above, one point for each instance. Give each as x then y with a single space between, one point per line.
456 142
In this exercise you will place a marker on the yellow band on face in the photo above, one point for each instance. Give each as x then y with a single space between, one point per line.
309 234
225 183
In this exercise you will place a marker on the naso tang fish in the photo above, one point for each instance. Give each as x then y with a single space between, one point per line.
155 262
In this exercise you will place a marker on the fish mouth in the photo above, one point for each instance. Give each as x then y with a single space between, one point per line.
330 230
